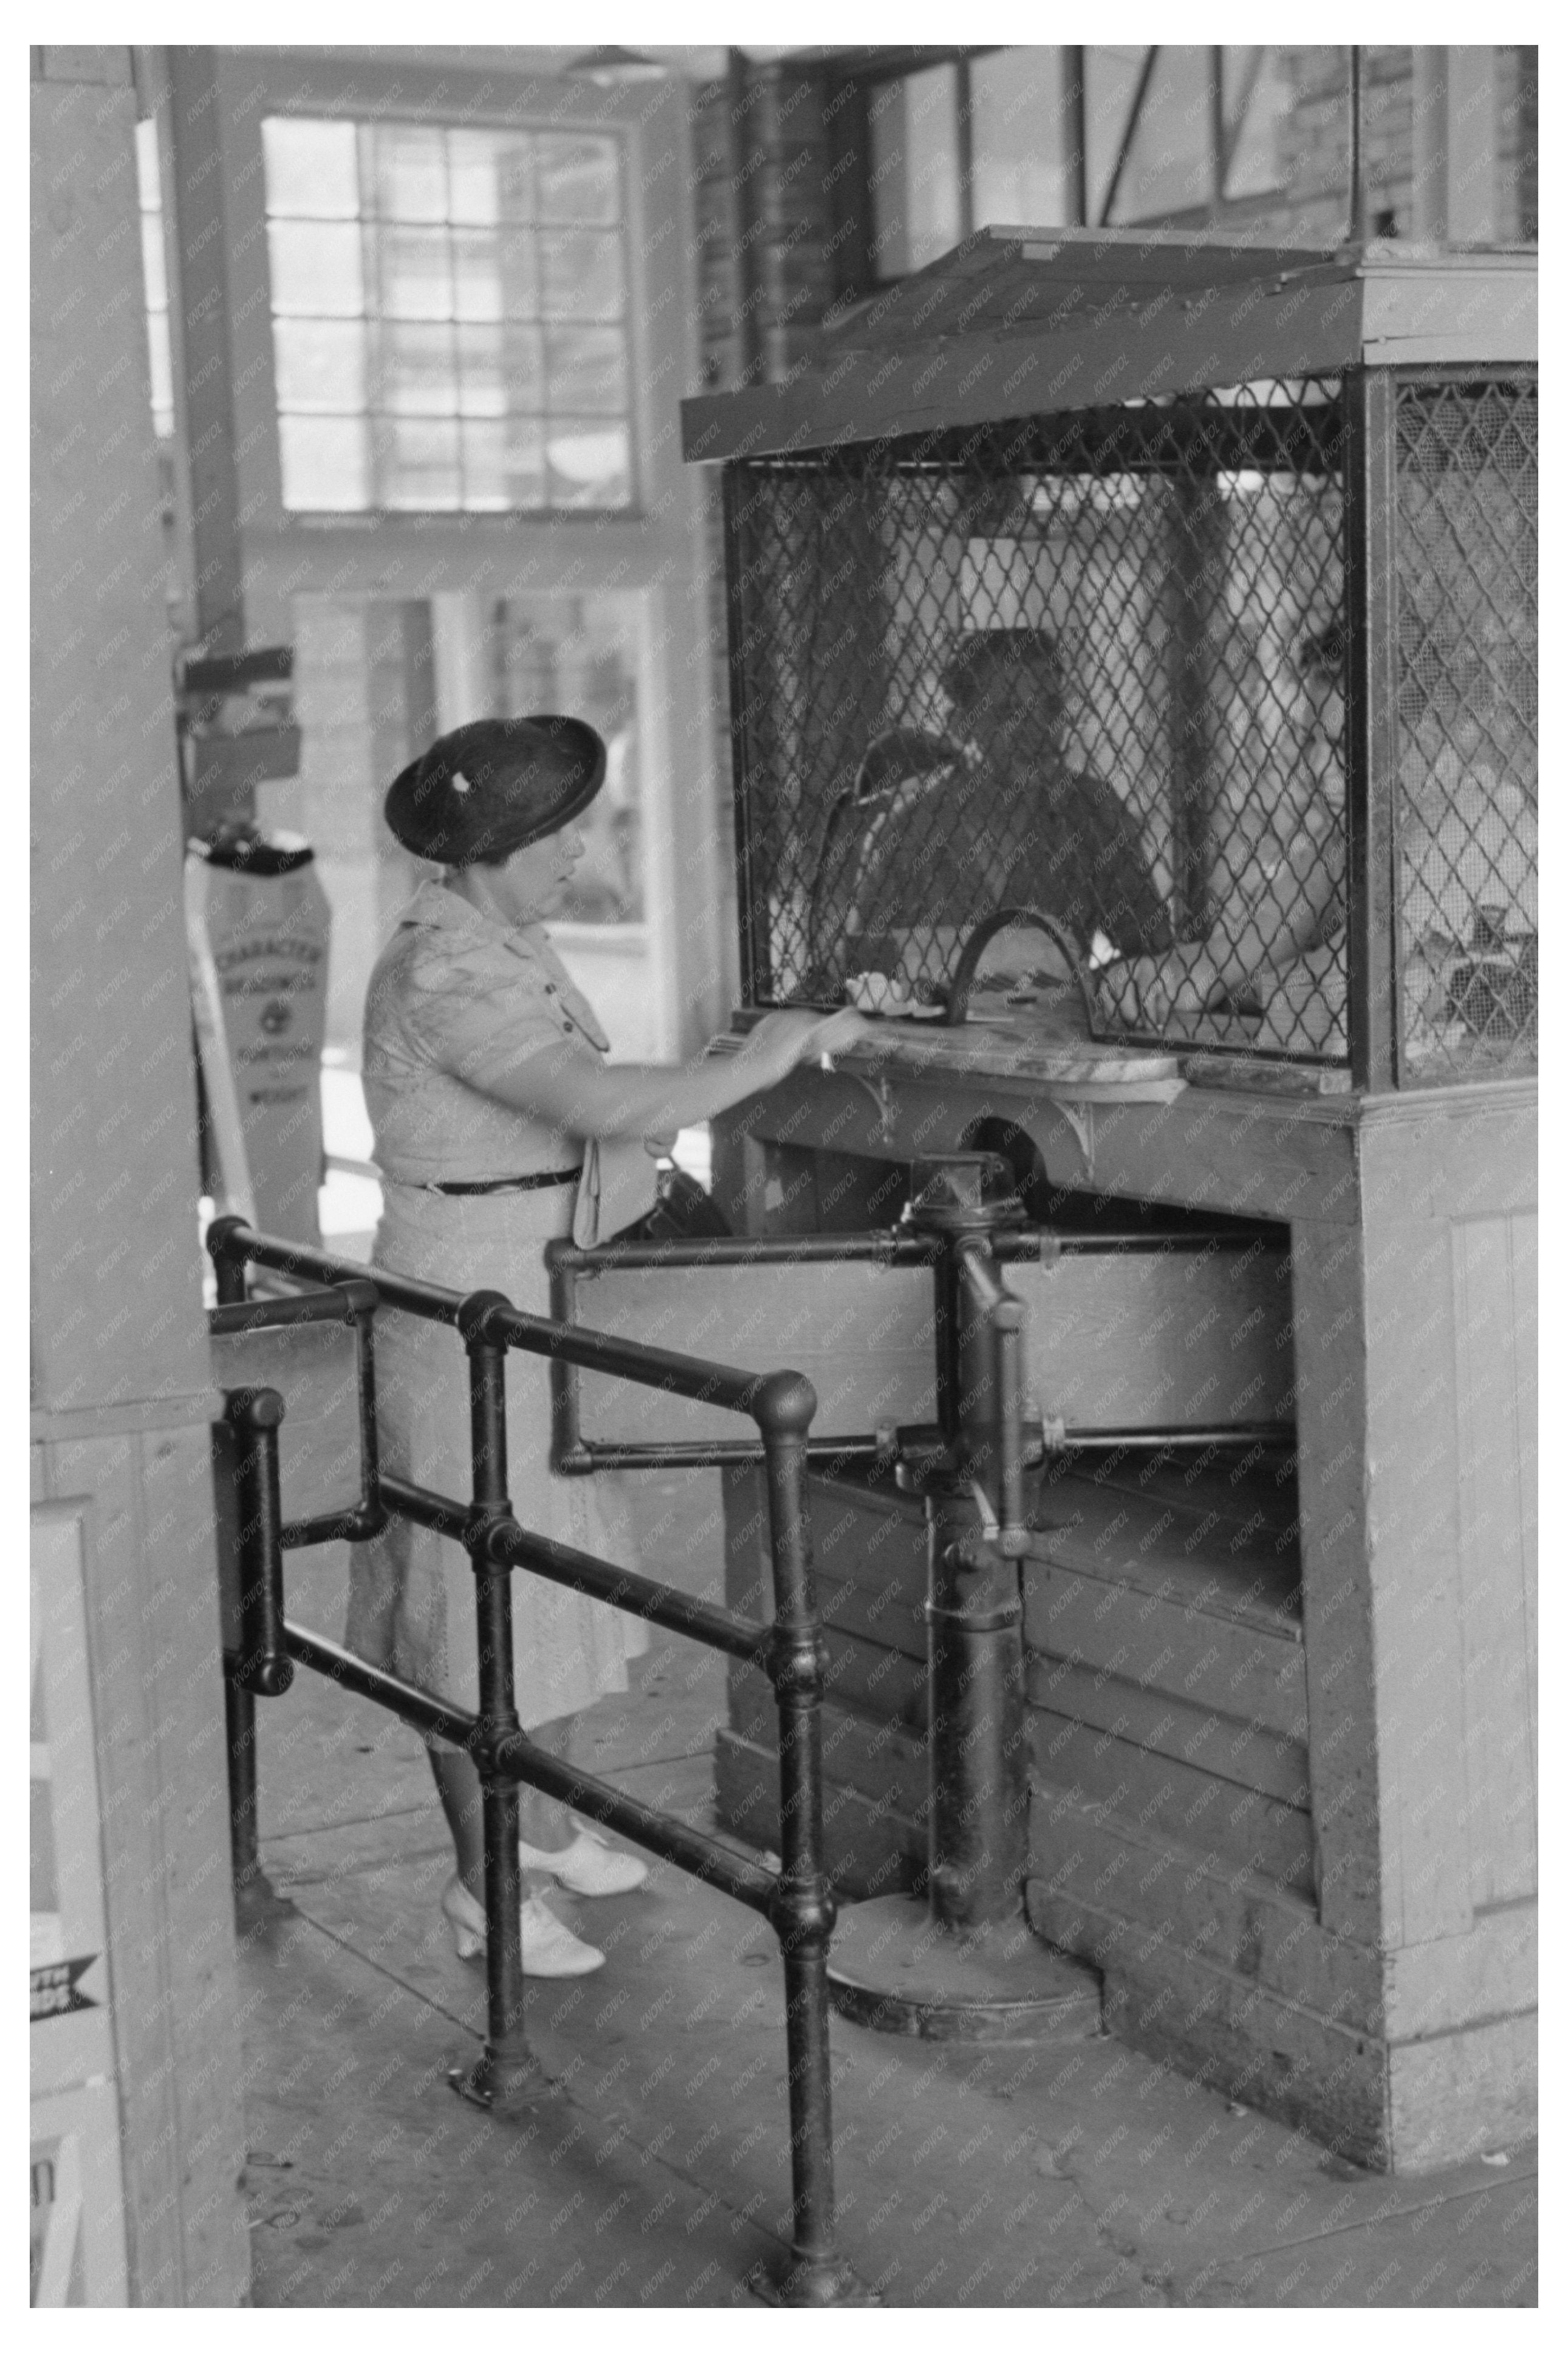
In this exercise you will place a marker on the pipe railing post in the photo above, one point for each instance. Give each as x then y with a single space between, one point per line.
978 1854
803 1911
508 2076
262 1666
227 1264
372 1509
979 1818
253 1897
962 1963
263 1669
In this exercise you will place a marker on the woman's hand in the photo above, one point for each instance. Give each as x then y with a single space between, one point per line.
782 1041
1152 990
840 1033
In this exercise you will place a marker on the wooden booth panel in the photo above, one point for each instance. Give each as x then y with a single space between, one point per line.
871 1847
1212 1819
1123 1340
880 1688
1165 1647
313 1367
1166 1665
869 1543
1159 1339
860 1333
1494 1267
71 2039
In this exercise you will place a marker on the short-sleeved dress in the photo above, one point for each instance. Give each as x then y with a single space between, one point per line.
454 997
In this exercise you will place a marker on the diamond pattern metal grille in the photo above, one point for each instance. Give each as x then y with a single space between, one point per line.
1466 885
1091 665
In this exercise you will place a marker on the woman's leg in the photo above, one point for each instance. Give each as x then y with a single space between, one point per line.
396 1620
543 1822
462 1802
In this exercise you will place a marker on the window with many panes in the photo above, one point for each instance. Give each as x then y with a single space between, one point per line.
449 317
1105 135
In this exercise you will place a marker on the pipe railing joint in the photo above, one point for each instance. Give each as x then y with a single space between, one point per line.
222 1235
782 1405
360 1297
254 1408
476 1318
484 1524
487 1746
801 1911
262 1674
796 1661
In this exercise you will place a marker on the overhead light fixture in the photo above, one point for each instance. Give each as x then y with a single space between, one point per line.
614 68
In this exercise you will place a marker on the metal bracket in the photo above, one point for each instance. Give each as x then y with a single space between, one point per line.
1079 1117
882 1094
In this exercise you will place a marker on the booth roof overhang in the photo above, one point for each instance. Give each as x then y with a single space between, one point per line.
1028 322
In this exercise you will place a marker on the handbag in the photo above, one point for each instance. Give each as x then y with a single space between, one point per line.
683 1212
619 1184
623 1197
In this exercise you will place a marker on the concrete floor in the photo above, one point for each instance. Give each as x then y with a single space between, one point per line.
1079 2173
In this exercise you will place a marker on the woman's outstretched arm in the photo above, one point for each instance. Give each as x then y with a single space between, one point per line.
568 1088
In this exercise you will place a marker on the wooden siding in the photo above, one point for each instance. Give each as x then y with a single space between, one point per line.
1493 1263
1164 1659
1165 1663
870 1548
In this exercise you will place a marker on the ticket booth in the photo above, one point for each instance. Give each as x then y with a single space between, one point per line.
1132 648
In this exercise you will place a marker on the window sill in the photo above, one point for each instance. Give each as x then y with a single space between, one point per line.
323 519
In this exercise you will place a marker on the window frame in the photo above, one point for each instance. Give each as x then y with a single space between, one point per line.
423 97
373 318
854 76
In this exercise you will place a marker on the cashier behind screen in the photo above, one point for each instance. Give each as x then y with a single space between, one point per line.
1281 890
1014 825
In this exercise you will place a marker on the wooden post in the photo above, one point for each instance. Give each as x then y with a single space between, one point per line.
121 1390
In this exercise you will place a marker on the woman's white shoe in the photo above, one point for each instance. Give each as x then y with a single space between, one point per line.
589 1866
548 1947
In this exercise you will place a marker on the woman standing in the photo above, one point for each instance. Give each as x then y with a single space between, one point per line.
484 1080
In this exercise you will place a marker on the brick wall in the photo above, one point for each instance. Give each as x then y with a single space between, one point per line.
765 227
1315 141
1518 144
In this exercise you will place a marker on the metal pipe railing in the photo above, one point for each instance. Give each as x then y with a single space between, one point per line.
672 1841
893 1246
623 1589
508 2066
262 1667
796 1899
1000 1319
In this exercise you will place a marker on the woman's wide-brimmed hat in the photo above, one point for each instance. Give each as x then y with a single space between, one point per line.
495 785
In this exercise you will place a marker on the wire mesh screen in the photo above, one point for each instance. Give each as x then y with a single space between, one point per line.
1466 893
1090 665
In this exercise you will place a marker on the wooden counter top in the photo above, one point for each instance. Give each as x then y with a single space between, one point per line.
1150 1135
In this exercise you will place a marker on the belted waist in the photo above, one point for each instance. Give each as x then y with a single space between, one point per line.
512 1184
